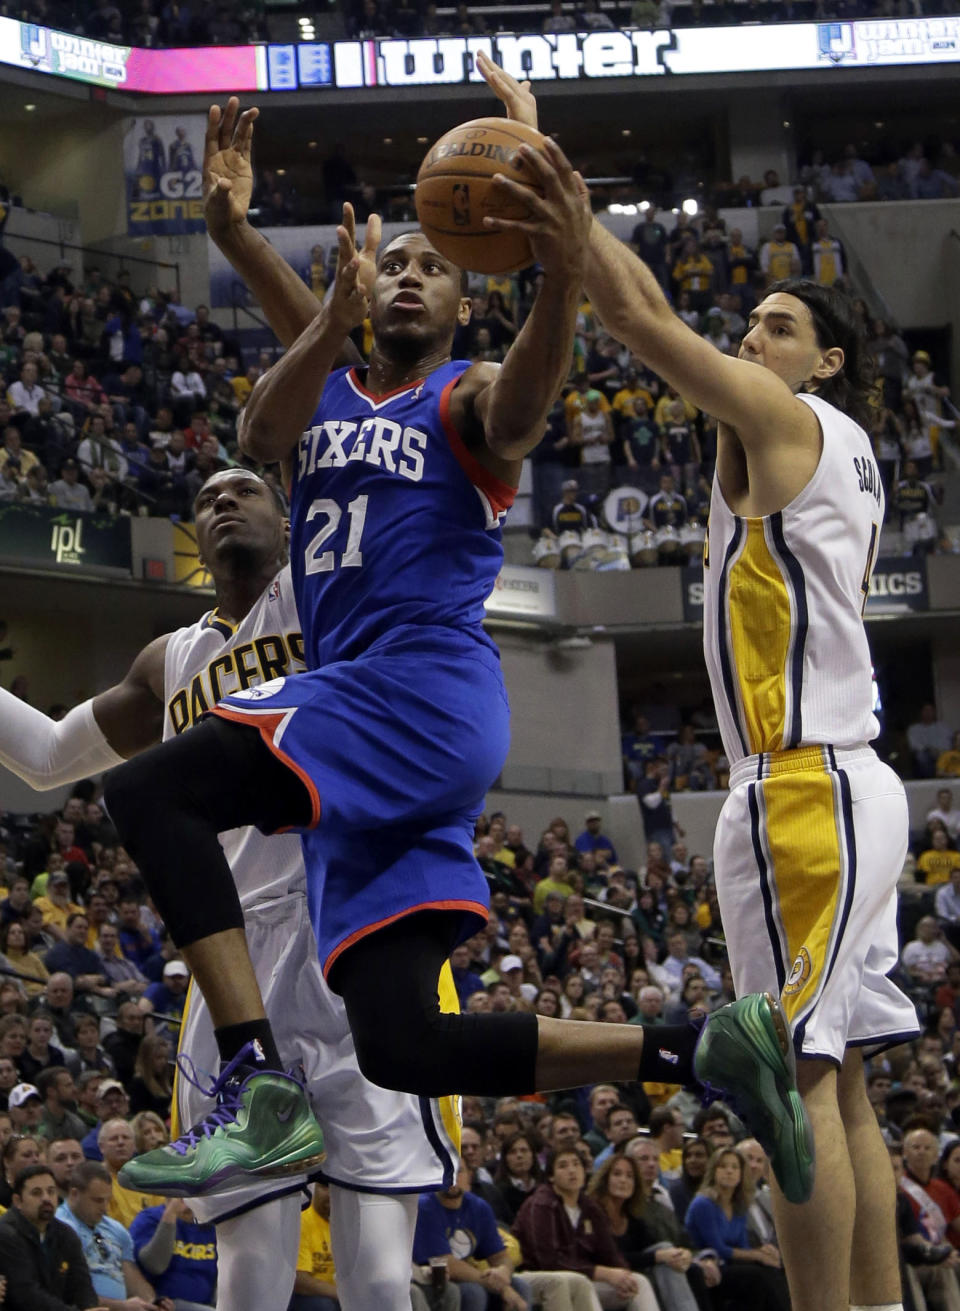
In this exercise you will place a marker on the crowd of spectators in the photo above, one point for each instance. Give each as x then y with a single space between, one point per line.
168 23
633 1196
111 401
623 475
151 23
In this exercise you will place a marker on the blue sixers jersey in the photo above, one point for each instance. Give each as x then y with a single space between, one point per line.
394 521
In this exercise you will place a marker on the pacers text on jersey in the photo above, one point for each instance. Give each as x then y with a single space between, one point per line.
272 656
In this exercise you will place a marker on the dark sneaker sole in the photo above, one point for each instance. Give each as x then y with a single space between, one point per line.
781 1121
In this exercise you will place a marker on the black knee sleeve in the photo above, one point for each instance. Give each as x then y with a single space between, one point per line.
169 804
417 1048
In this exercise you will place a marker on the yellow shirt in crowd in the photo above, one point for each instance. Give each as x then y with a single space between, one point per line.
694 274
54 914
316 1255
936 865
126 1205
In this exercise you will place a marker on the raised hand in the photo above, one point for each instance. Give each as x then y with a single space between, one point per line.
356 270
516 97
227 171
559 225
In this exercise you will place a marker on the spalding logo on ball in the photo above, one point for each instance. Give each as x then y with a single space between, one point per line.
454 194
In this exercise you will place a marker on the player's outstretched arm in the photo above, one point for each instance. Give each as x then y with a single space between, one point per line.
285 399
91 737
287 302
512 406
628 300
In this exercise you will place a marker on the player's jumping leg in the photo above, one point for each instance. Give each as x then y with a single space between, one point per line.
170 803
257 1256
852 1207
372 1239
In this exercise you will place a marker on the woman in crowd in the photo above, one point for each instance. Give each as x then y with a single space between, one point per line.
560 1228
760 1223
717 1218
573 993
149 1131
648 1234
19 1151
39 1052
518 1172
944 1187
13 1037
693 1167
548 1003
13 945
151 1086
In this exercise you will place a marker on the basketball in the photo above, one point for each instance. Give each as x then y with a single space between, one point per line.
454 194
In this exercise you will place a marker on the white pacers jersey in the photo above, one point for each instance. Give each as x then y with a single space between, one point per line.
376 1140
783 632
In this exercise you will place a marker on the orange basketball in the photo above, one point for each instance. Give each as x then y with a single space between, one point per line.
453 194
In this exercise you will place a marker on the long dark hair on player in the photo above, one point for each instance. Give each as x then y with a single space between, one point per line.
836 323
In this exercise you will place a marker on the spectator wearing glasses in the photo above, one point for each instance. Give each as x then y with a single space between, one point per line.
107 1247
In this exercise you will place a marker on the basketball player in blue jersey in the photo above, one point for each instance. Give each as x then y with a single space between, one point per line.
384 1147
381 754
811 839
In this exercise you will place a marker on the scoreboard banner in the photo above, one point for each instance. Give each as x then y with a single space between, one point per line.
451 60
162 159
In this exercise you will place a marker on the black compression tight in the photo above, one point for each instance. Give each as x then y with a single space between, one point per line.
388 982
169 804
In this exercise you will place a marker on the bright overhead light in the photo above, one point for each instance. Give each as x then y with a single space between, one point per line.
281 172
388 141
422 141
690 207
644 206
624 131
29 108
312 145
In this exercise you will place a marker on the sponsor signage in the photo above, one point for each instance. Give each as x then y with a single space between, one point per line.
898 585
522 592
162 158
65 541
451 61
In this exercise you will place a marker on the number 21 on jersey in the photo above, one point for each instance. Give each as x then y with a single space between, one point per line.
317 561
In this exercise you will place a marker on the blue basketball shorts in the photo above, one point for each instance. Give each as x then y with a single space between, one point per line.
397 750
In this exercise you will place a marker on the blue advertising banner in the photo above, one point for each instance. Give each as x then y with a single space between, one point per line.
162 159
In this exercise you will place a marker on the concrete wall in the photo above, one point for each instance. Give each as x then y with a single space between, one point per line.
903 246
77 173
565 732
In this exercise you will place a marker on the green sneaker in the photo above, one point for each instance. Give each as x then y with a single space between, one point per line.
745 1052
262 1125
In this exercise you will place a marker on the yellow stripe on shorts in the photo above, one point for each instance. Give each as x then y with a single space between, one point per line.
801 833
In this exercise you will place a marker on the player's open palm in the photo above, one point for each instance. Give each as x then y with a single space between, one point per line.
559 217
356 269
227 171
517 98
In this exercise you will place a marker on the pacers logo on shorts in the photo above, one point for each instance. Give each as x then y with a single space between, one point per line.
799 974
270 688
